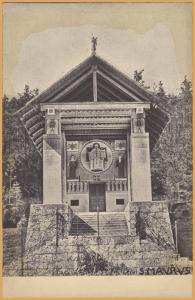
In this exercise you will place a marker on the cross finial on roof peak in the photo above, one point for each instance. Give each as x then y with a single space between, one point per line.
94 44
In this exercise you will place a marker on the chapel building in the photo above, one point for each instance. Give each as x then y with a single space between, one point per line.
95 129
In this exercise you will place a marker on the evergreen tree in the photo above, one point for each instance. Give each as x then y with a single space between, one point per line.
161 91
138 77
21 163
172 157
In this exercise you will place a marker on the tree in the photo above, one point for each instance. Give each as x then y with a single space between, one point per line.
161 91
172 156
186 86
138 75
21 162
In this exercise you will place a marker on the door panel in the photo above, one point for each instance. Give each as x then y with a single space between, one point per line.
97 197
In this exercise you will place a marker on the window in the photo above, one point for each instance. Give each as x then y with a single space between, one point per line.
120 201
74 203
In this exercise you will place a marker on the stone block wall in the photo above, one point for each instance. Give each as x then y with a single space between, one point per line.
42 226
42 238
182 213
111 201
50 252
156 225
44 257
12 251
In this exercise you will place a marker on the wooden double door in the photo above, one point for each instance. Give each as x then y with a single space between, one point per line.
97 197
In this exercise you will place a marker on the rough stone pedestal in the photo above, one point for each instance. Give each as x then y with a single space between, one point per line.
49 252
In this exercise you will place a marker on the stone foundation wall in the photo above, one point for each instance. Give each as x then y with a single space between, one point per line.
12 251
157 225
42 238
43 257
50 252
182 213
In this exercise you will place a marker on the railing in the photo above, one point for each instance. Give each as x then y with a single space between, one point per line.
77 186
117 186
70 217
74 186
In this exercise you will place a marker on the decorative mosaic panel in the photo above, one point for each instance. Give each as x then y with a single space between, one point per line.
96 156
120 145
72 146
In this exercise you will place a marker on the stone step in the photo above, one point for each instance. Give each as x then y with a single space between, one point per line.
109 224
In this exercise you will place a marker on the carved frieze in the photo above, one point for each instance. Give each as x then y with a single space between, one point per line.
96 113
103 120
93 126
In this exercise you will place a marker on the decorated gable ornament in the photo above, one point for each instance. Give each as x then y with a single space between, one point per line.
96 156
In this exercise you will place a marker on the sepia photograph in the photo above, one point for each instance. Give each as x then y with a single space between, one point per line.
97 140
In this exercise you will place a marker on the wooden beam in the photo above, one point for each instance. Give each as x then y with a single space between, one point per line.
37 126
103 97
74 85
118 86
121 96
33 111
127 82
111 93
94 86
94 106
77 94
33 120
38 133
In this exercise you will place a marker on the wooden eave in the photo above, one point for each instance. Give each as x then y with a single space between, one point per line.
77 86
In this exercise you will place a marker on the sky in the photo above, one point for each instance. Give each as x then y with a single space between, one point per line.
42 42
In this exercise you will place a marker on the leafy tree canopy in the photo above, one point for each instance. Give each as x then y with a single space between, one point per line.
21 162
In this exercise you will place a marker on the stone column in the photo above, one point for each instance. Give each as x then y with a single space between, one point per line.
52 159
140 159
64 170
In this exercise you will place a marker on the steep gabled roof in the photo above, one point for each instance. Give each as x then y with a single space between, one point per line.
77 86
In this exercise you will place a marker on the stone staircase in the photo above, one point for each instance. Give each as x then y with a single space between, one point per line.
110 224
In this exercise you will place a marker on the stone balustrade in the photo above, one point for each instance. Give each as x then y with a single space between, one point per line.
117 186
74 186
77 186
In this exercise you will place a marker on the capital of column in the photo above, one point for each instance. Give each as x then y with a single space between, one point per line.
138 121
52 122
